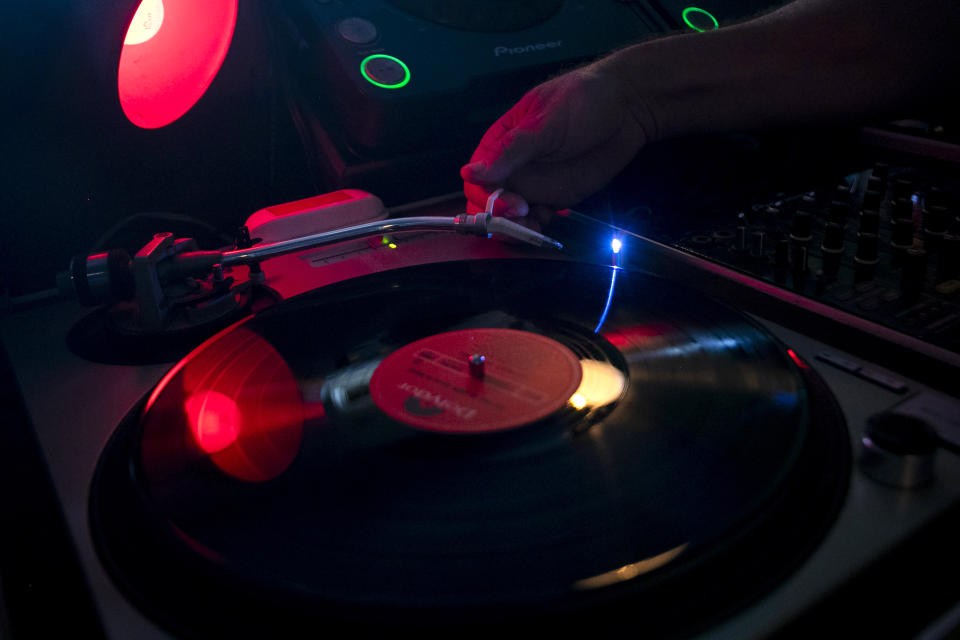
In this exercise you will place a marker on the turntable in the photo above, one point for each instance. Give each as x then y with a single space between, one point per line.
431 431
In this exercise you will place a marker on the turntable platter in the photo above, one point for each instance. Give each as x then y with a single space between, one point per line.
486 442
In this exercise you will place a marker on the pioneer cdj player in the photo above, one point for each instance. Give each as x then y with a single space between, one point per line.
383 88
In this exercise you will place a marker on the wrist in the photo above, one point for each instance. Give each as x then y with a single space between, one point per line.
620 69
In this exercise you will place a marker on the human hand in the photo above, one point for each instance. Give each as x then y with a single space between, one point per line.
562 141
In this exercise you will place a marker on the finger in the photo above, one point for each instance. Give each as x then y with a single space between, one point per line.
565 184
476 197
498 160
509 204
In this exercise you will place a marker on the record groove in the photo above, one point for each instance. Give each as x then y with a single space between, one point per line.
694 443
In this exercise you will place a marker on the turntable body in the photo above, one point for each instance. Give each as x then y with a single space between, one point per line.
75 407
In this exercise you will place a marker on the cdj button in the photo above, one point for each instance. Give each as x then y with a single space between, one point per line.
385 71
357 30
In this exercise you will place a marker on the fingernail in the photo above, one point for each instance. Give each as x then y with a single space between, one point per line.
473 169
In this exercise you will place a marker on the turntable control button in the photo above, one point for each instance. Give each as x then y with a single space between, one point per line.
839 361
357 30
882 379
898 450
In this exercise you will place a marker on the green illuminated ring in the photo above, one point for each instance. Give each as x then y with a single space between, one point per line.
402 83
689 10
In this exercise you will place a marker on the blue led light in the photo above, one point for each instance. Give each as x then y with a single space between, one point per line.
616 245
606 307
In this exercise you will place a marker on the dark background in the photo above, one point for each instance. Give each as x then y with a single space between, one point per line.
72 166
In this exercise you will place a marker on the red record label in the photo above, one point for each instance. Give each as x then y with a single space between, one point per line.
439 384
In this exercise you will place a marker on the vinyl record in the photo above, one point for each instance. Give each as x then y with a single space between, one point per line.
479 443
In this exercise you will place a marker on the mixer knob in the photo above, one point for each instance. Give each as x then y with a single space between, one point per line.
781 253
876 184
914 272
771 216
802 226
757 244
915 263
870 221
839 210
842 193
949 264
936 219
902 236
798 258
903 209
832 238
881 171
867 248
937 197
902 189
865 261
872 199
832 247
741 232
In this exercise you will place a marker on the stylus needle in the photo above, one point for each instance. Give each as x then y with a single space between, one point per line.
510 228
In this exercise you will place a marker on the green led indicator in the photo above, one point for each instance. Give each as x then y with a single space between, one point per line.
691 15
384 69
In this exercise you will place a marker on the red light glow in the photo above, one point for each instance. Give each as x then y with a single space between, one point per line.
636 335
171 52
233 402
797 360
214 420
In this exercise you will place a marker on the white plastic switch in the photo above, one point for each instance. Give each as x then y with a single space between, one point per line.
326 212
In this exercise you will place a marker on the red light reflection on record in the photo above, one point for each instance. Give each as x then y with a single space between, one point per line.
635 335
234 401
797 359
214 420
172 51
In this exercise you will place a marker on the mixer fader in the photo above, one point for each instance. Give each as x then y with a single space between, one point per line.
882 244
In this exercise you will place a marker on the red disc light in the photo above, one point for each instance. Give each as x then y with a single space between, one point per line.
172 51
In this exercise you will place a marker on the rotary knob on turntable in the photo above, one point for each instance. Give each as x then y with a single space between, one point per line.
898 450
